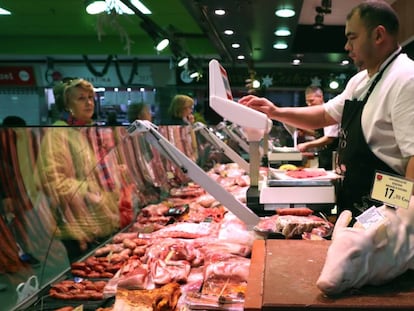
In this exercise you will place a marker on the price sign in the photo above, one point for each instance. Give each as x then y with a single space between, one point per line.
392 190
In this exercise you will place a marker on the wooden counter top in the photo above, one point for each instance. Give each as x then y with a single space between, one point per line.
283 276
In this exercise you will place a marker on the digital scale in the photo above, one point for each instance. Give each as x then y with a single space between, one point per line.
318 195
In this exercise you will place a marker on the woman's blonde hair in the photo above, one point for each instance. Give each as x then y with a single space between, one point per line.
64 89
178 104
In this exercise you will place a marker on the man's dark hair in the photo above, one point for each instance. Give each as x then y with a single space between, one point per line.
377 12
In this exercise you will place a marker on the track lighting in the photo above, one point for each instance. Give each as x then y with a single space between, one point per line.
95 6
159 36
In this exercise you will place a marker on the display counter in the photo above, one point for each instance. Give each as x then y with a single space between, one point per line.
283 276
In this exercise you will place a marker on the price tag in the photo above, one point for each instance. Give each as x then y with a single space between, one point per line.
392 190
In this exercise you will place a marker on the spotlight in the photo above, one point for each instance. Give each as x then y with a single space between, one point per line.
182 61
95 6
157 34
195 74
162 44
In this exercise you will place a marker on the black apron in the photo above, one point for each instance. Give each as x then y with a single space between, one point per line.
325 152
356 162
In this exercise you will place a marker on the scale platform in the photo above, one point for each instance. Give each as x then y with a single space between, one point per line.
279 154
315 194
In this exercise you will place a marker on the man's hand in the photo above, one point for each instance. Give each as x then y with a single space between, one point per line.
260 104
302 147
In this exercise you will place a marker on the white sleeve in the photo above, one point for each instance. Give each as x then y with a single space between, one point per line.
331 131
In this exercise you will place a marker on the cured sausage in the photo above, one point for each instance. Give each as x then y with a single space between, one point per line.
296 211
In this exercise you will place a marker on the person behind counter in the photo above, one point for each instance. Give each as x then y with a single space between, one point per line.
139 111
375 109
85 214
181 110
326 139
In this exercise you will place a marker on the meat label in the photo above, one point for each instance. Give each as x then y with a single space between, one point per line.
392 190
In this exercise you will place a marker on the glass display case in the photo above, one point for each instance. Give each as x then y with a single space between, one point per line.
65 191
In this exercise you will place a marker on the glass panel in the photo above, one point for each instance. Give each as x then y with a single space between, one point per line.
67 190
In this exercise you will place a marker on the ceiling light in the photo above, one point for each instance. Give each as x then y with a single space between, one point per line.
345 62
228 32
95 6
159 36
235 45
296 62
219 12
117 6
141 7
280 46
120 8
282 32
256 84
241 57
162 44
334 84
182 61
195 74
4 12
286 12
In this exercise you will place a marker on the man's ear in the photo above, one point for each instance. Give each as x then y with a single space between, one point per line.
379 33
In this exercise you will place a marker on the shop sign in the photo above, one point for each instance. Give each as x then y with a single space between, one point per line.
17 76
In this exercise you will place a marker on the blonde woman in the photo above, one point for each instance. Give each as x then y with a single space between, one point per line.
85 213
181 110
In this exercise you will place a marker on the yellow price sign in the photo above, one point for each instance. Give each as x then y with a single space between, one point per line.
392 190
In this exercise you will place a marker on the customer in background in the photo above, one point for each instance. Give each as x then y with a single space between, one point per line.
376 109
75 100
181 110
112 119
139 111
326 139
13 121
84 211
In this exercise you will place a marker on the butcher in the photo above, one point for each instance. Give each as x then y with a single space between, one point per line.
375 109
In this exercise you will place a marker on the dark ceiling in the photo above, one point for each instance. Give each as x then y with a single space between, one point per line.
62 29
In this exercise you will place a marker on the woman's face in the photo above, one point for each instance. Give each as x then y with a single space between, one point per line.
81 103
188 109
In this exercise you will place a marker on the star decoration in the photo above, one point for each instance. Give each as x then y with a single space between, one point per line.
267 81
316 81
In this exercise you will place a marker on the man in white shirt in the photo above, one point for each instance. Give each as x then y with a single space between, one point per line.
376 109
326 139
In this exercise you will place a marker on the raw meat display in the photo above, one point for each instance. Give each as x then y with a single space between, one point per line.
83 290
306 173
157 299
292 225
372 256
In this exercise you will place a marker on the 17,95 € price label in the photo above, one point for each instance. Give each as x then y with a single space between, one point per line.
392 190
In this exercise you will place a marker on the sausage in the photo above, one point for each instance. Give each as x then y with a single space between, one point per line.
296 211
80 273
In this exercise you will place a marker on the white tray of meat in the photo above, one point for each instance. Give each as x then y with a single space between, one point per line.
303 174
